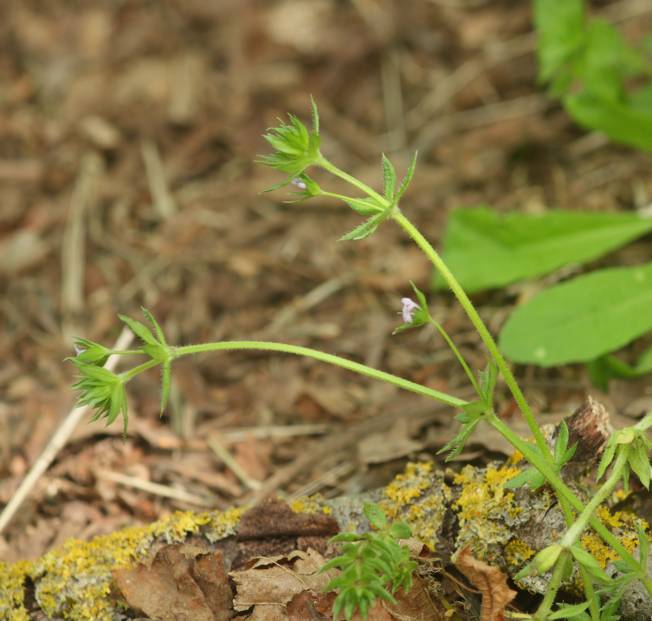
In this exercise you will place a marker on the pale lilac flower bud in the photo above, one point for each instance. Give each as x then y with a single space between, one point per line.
408 308
300 184
79 349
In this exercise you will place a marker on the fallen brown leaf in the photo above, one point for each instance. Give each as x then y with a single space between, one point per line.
183 583
491 582
277 581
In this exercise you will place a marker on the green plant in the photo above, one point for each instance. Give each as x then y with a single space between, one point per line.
373 565
591 69
583 319
296 150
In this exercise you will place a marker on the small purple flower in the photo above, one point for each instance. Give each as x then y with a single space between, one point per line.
299 183
408 308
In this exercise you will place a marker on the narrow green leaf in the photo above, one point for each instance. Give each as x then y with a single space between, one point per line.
364 206
589 562
488 379
157 328
389 179
581 319
375 515
364 230
530 476
607 457
405 182
315 116
639 462
139 329
485 249
562 442
569 612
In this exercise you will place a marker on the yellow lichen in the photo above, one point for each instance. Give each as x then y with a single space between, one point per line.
12 592
74 581
483 506
420 497
312 504
517 552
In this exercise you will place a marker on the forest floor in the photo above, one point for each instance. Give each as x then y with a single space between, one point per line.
128 132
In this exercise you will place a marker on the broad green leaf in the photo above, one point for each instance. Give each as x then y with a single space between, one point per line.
605 61
485 249
560 31
581 319
618 120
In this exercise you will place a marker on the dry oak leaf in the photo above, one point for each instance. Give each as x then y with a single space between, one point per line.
272 581
182 583
490 581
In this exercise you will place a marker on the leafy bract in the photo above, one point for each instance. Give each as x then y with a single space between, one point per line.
582 319
485 249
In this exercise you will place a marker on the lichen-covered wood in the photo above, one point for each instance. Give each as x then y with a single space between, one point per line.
447 511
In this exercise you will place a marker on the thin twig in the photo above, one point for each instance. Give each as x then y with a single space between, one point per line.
57 442
222 452
154 488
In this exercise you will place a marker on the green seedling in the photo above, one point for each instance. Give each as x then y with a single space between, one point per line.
374 565
590 68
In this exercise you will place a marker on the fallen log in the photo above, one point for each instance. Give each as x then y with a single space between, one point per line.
448 511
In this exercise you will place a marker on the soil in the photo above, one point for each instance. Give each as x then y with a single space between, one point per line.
128 132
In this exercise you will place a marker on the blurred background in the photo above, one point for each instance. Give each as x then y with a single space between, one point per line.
128 131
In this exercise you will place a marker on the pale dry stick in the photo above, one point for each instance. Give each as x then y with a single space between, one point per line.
57 442
215 444
390 78
330 477
156 489
238 434
162 199
73 250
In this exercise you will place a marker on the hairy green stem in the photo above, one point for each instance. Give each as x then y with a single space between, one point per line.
131 373
350 365
363 187
458 354
574 532
553 587
478 324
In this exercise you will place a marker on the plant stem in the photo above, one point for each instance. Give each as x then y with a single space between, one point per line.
458 354
574 532
131 373
363 187
553 586
350 365
479 325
